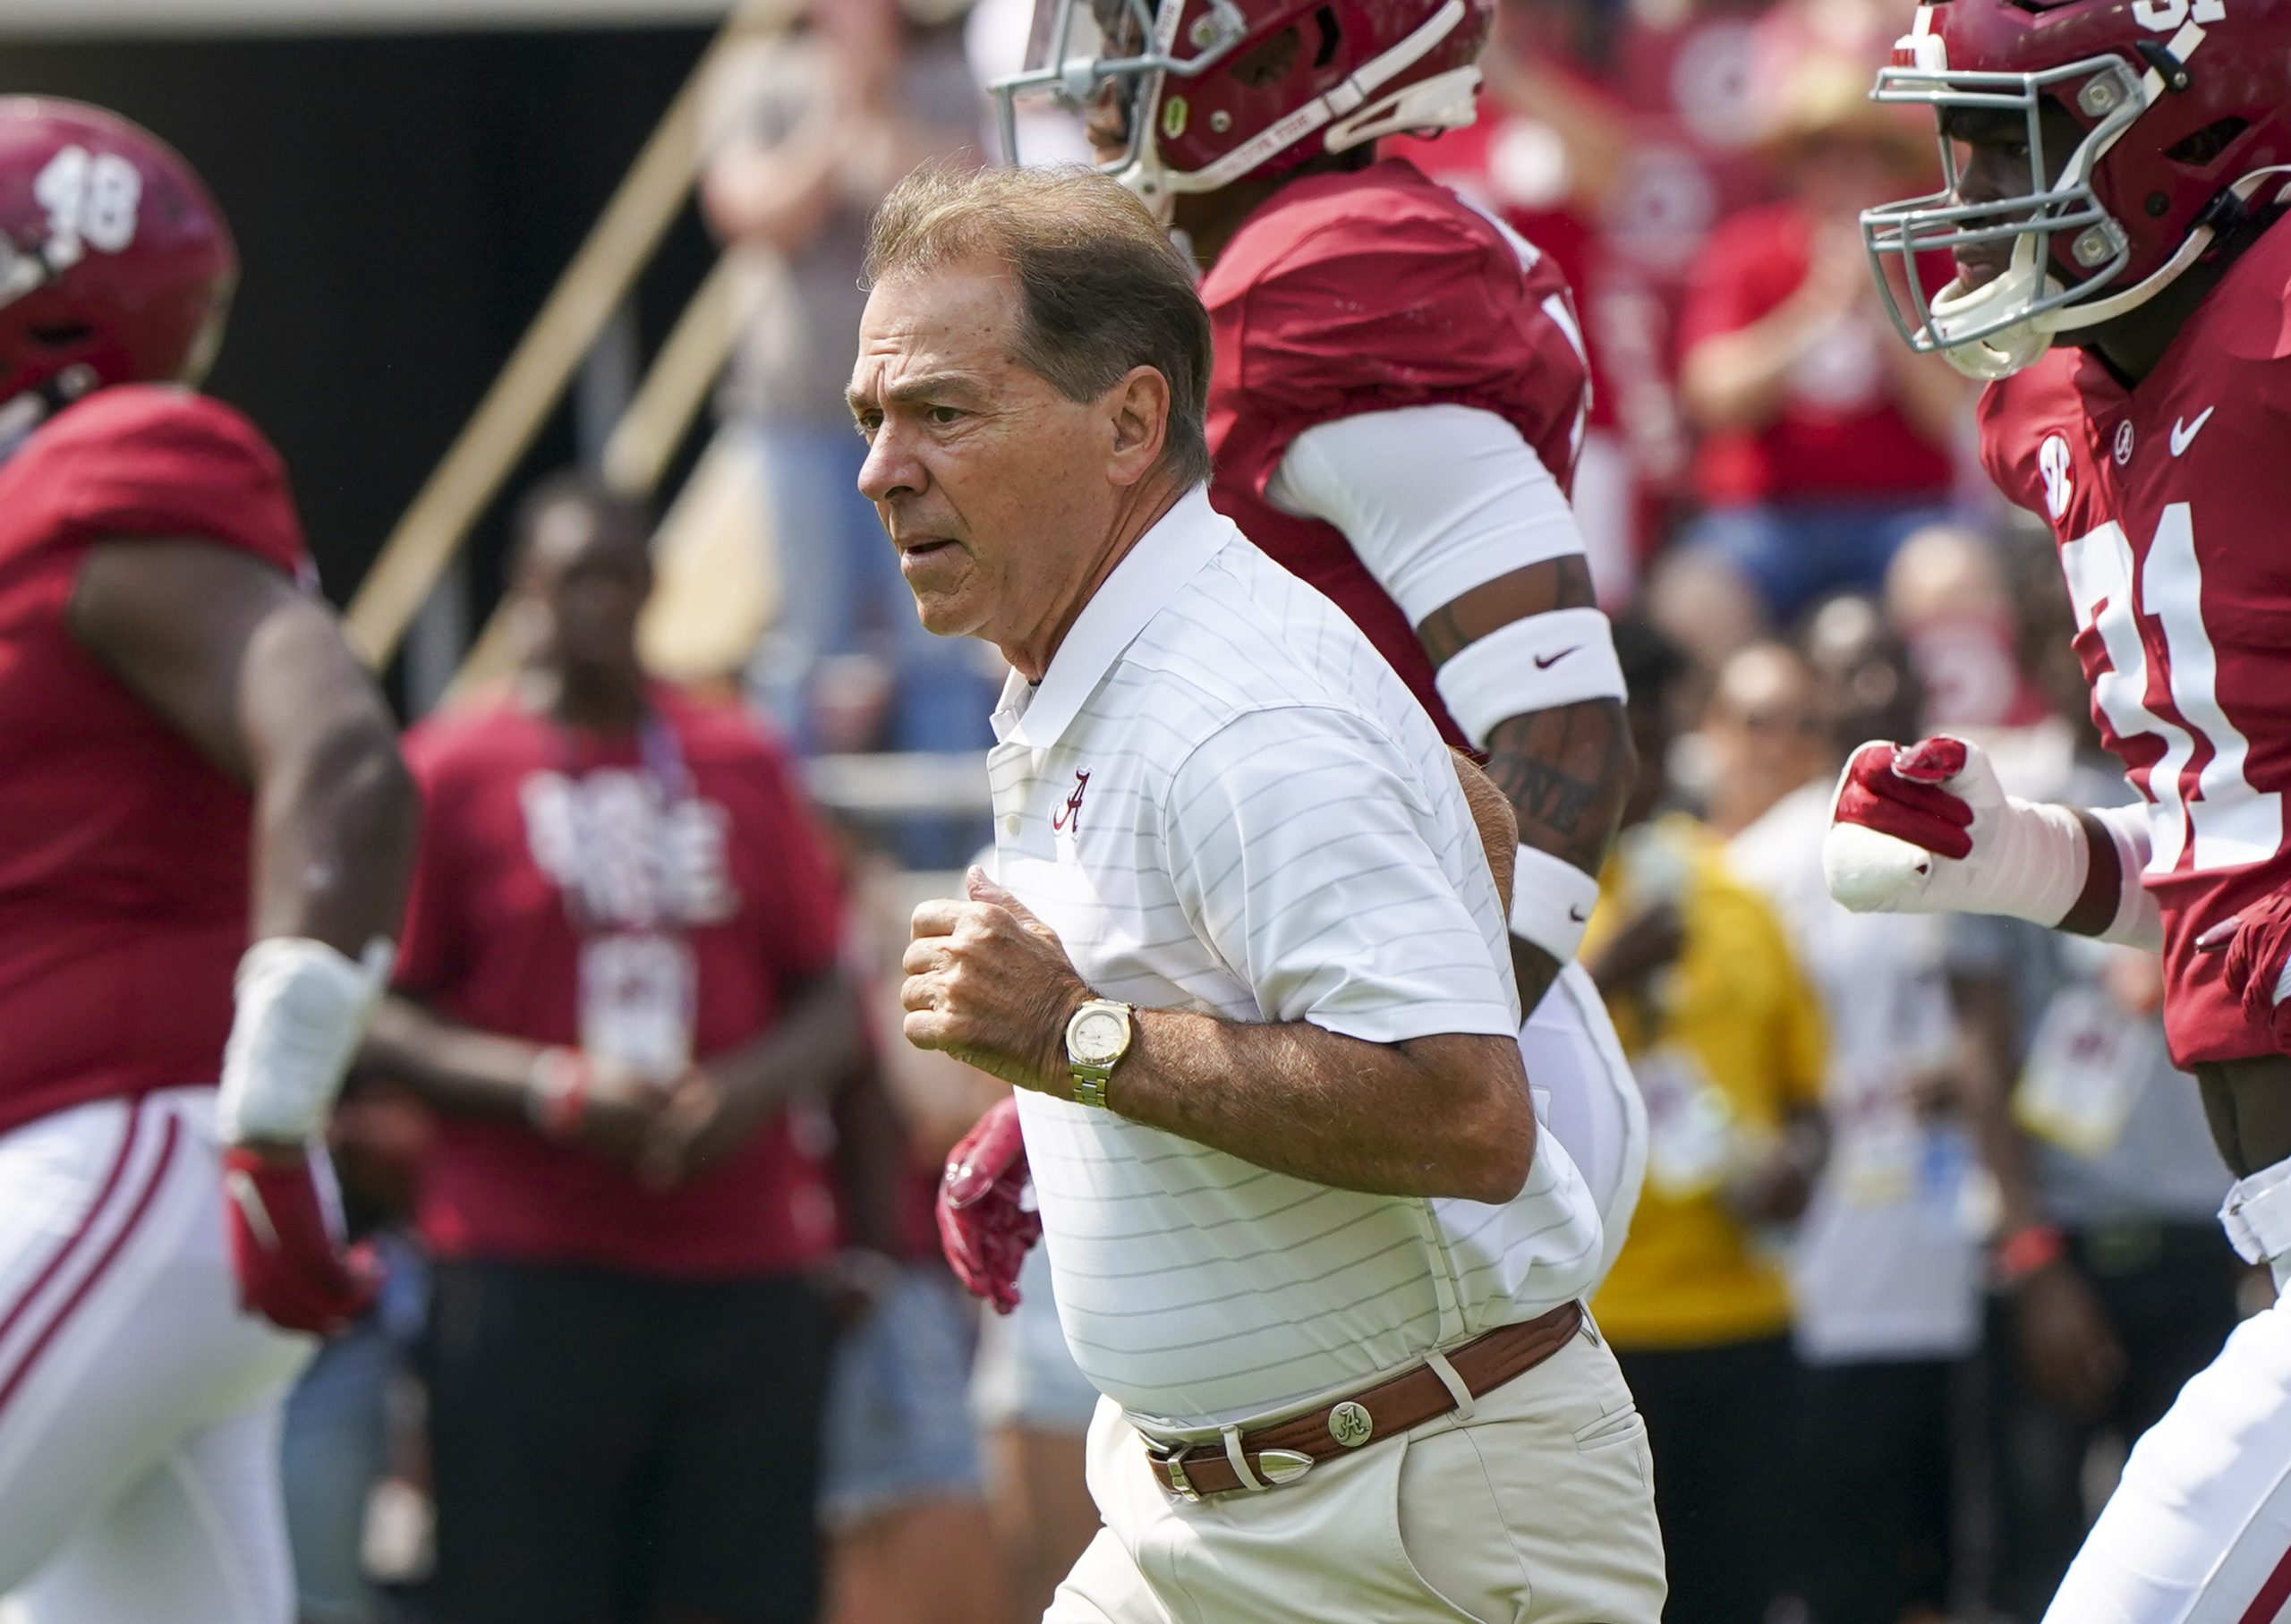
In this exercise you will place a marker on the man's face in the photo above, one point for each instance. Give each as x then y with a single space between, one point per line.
591 578
1762 729
992 485
1994 164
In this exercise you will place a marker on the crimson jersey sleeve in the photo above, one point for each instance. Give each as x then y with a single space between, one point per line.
1378 290
161 462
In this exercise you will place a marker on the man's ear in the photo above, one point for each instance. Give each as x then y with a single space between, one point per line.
1138 415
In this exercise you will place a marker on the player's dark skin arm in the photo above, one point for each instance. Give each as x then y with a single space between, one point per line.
254 673
1566 771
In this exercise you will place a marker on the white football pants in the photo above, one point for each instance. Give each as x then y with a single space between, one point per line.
138 1406
1586 1095
2199 1530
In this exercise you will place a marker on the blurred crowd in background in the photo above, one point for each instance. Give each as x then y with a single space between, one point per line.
1861 1410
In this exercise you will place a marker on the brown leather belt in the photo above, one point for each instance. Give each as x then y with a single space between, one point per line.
1287 1450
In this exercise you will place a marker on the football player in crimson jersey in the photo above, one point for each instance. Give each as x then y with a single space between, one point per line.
1399 394
2114 203
191 758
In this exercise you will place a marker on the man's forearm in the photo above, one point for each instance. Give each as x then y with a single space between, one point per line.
458 1069
805 1053
1443 1116
1566 772
1566 769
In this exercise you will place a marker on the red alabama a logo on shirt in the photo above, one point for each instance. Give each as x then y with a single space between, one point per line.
1071 815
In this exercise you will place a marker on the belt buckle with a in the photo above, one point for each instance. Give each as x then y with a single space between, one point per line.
1172 1455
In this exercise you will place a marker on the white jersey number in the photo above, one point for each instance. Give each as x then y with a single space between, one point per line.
2214 808
92 201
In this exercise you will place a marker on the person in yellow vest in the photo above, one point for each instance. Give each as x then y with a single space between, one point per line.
1724 1032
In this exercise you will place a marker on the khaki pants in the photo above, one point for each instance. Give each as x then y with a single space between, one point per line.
1539 1509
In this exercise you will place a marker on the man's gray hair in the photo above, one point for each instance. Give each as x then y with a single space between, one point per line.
1102 287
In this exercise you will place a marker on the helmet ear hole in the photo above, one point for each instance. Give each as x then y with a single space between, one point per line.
61 335
2198 151
1270 62
1331 37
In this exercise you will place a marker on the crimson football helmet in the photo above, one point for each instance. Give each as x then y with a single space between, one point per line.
116 266
1214 91
2184 113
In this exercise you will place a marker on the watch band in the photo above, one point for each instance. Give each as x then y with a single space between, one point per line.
1091 1076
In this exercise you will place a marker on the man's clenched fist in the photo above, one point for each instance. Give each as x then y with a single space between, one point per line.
285 1233
1927 828
986 1224
991 984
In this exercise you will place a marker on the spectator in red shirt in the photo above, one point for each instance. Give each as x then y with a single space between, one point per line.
618 988
1823 441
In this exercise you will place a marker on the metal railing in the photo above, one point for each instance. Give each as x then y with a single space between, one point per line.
594 284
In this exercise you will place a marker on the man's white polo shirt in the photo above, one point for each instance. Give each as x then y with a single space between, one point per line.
1222 800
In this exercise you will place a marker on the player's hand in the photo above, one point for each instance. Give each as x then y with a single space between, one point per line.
991 984
286 1247
2257 946
620 1110
985 1225
2068 1350
1917 829
697 1126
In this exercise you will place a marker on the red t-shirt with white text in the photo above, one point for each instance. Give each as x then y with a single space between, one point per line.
124 864
492 943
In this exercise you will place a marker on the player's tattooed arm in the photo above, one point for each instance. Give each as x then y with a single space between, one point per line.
1566 770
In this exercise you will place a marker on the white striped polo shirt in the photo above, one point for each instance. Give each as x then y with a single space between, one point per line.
1222 800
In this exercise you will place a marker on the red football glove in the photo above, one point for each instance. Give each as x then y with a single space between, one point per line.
1896 790
286 1247
2259 945
984 1225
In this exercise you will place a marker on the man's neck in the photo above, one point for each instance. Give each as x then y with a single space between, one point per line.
1147 502
594 702
2132 345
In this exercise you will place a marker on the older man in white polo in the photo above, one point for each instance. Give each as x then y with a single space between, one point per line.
1249 975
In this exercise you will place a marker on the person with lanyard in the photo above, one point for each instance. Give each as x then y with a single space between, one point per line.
619 991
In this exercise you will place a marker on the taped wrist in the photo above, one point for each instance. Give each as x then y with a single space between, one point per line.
2138 923
1540 663
1552 901
301 1010
2034 867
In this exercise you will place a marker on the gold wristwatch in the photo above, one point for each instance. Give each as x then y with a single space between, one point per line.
1097 1036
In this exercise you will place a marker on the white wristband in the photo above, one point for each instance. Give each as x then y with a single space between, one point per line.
1540 663
303 1008
2138 921
1552 901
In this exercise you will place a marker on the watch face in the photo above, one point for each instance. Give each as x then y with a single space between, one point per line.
1098 1035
